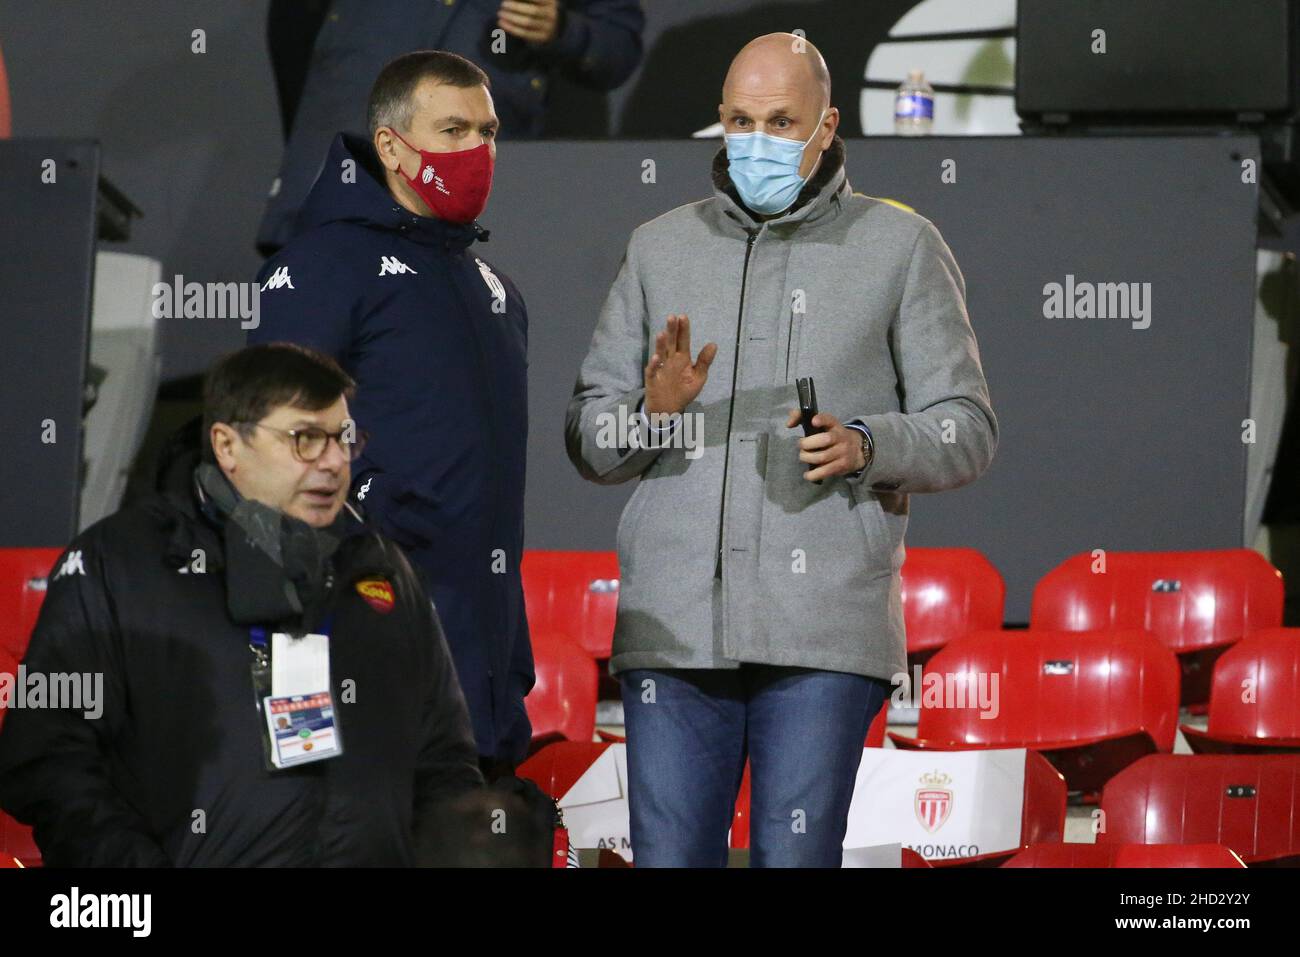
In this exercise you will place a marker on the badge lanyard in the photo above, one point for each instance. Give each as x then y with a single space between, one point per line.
292 690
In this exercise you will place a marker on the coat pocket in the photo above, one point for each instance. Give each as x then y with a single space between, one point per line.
626 533
882 539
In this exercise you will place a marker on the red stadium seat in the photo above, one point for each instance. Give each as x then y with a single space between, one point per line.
740 819
1092 703
1126 855
948 592
562 703
1248 802
1255 697
17 849
1197 602
23 573
8 666
6 115
575 593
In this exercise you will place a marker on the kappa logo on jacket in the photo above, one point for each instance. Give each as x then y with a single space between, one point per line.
278 279
72 565
392 266
378 594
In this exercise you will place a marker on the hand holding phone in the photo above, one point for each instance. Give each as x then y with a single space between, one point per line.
807 410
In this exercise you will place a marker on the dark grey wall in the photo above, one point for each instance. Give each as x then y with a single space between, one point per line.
192 139
1111 436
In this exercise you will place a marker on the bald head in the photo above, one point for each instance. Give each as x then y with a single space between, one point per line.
780 60
778 84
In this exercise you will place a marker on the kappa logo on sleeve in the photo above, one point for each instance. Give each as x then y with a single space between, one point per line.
72 565
279 279
378 594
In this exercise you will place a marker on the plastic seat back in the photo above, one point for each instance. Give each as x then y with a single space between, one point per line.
562 702
1255 695
1249 803
1049 689
1190 600
947 593
24 574
1126 855
575 593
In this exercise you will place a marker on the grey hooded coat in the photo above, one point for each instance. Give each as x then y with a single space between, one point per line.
727 554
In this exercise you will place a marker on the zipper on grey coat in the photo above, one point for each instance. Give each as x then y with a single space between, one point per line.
789 338
731 406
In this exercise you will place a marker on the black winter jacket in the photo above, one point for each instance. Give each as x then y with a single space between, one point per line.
173 773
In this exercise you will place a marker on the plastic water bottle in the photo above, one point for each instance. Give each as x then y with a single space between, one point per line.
914 106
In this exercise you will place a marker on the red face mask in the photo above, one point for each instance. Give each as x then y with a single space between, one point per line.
455 186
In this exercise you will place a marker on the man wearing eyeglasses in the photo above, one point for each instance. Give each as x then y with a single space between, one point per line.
266 680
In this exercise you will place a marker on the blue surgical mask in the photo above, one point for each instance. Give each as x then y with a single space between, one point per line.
765 168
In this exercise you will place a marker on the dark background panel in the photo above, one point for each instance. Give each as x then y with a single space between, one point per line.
47 237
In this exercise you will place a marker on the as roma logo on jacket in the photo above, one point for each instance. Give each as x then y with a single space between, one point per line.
378 594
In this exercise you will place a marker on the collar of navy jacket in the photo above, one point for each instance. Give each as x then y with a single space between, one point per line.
367 201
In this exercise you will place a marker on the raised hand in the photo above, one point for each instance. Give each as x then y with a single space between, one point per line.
672 381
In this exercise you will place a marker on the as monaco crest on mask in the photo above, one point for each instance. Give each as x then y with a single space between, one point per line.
455 185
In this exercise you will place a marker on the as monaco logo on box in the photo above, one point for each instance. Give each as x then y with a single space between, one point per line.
942 804
933 800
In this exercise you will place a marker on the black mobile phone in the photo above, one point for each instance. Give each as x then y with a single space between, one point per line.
808 409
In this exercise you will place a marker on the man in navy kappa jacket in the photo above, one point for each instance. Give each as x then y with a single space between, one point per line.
523 45
384 278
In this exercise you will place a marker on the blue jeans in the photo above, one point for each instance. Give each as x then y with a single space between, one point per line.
688 734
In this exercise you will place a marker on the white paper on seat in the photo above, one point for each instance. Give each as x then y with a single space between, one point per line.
884 855
941 804
595 808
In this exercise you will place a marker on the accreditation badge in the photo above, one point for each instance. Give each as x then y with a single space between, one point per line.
293 693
